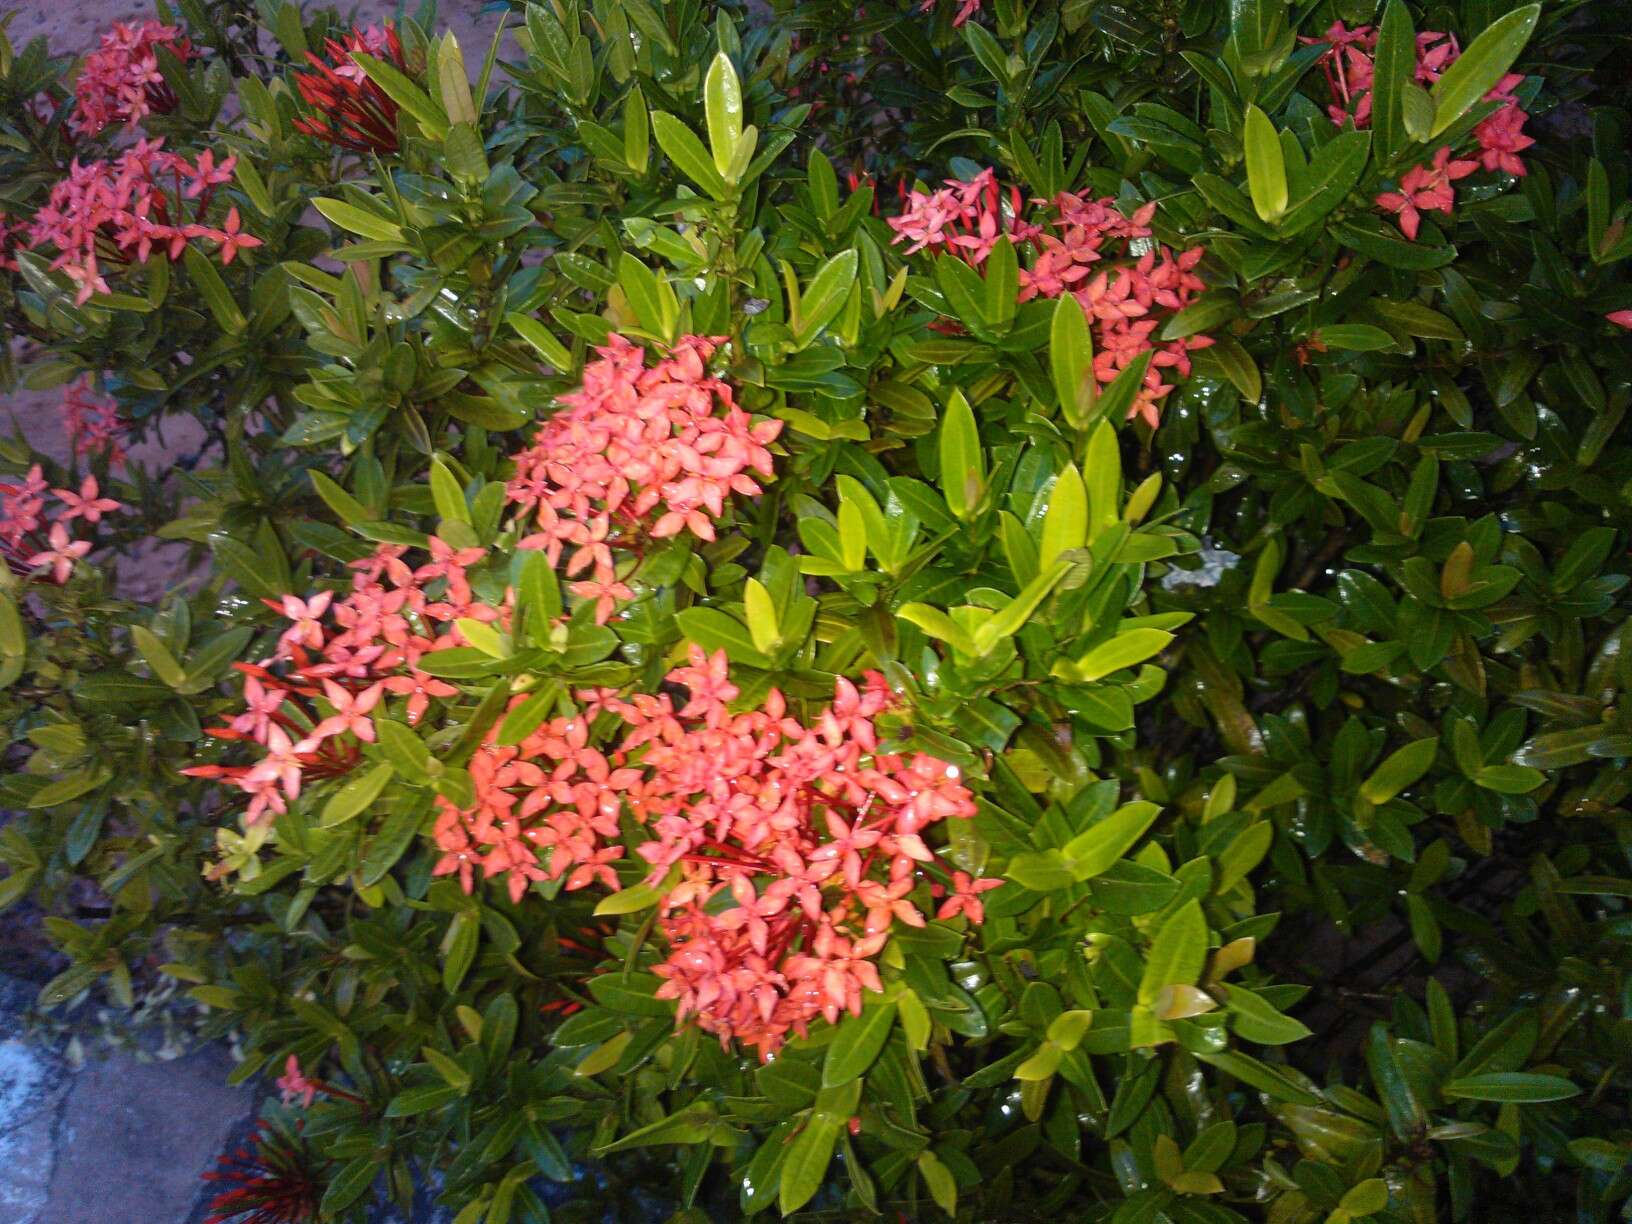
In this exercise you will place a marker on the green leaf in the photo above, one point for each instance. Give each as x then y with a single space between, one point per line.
938 625
687 153
943 1187
357 1175
357 220
1509 779
401 90
1357 337
1071 361
547 346
214 290
1124 650
458 954
1272 1080
804 1168
1367 1197
463 154
412 1102
1092 852
1477 70
857 1043
637 132
390 844
355 796
825 297
405 750
1065 525
13 641
1002 285
1012 617
963 463
1516 1086
1332 174
714 630
158 656
1266 165
1177 954
446 493
633 994
1394 67
1258 1021
337 499
1102 476
761 613
1399 770
722 103
1117 399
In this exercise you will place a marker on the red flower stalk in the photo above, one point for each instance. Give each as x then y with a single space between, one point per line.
273 1179
350 110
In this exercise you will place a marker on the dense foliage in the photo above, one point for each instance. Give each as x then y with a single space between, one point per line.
1002 612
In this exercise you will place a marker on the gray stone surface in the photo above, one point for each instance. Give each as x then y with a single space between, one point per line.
32 1088
134 1137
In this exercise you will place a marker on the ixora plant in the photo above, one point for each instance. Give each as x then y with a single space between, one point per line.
945 611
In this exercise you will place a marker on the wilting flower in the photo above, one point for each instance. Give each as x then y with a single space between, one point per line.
348 109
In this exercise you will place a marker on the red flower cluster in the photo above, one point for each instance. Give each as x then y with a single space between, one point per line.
312 718
1125 297
349 110
23 511
1350 70
636 452
93 423
121 82
121 209
788 851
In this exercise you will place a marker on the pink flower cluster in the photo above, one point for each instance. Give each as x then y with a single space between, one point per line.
962 219
23 511
93 423
119 210
1350 70
638 452
1084 247
339 660
121 82
786 851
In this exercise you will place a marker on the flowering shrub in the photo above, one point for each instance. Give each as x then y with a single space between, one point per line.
705 667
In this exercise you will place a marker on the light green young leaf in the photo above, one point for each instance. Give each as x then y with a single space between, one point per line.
722 103
1065 525
1071 361
1266 165
1177 954
963 463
